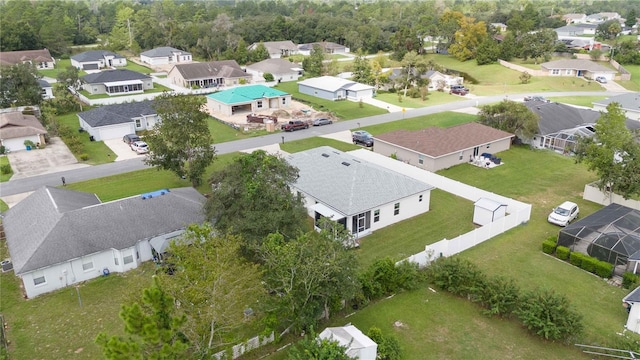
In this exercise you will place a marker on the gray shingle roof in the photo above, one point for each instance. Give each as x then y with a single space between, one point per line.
18 57
56 225
277 46
118 113
555 117
576 64
274 66
351 189
163 52
95 55
114 75
628 101
16 125
214 69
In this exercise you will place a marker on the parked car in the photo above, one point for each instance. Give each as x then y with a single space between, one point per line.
140 147
564 213
294 125
601 79
458 90
322 121
536 98
361 137
130 139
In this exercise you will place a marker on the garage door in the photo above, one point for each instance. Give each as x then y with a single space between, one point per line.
115 131
14 144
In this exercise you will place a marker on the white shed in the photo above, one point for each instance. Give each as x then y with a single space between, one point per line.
359 346
487 211
632 303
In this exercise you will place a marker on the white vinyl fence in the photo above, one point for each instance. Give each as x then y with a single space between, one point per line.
592 193
517 212
239 349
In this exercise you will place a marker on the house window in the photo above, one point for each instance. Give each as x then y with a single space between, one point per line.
361 222
420 159
115 260
138 124
567 72
284 101
396 209
376 215
87 265
555 72
420 198
128 259
461 155
38 278
259 103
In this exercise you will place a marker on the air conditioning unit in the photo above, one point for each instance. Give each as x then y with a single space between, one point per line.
7 265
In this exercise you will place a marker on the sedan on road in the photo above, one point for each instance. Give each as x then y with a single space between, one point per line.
322 121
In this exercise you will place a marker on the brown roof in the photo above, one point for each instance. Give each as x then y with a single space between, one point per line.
16 125
18 57
214 69
436 141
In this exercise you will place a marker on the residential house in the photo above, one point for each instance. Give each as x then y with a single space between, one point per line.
16 128
437 148
569 30
360 195
574 18
577 67
358 345
560 125
277 49
116 82
602 17
437 80
500 27
630 103
632 303
282 70
58 237
97 59
115 121
587 29
249 99
334 88
42 59
165 55
328 47
209 74
47 89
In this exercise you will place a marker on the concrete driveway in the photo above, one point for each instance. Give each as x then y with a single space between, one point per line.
122 150
55 157
613 86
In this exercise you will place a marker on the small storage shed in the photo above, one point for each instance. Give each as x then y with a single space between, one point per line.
632 303
487 211
359 346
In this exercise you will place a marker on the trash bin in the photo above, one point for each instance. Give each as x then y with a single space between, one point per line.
91 138
28 147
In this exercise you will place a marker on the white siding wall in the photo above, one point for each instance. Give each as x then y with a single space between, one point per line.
323 94
119 62
18 143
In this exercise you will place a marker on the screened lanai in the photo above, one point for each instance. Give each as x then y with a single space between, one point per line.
611 234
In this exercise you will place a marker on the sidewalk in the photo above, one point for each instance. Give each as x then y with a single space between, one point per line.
382 104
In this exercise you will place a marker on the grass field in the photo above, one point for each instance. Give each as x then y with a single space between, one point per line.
634 83
434 98
577 100
345 110
5 161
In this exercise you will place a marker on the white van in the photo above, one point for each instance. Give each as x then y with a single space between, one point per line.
564 213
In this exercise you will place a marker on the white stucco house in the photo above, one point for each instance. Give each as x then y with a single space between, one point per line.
335 88
359 346
629 102
47 89
360 195
577 67
16 128
277 49
115 121
165 55
97 59
632 303
116 82
58 237
282 70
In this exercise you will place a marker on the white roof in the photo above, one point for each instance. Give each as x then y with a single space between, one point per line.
329 83
488 204
349 336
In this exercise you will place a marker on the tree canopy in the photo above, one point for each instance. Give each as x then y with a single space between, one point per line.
313 348
613 153
252 197
181 141
19 86
510 116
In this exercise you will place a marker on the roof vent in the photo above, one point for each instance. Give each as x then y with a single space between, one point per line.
345 163
152 194
325 154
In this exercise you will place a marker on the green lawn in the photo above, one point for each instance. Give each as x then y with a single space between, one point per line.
314 142
98 152
3 206
345 110
4 160
61 65
577 100
434 98
443 119
634 83
137 68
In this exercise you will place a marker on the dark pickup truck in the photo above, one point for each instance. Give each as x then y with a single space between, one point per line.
294 125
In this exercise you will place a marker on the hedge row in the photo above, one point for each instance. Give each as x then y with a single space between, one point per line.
585 262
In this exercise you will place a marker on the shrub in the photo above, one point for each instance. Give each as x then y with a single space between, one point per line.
385 277
549 315
589 264
30 144
268 77
5 169
629 280
499 296
84 156
575 258
548 247
457 276
562 252
604 269
3 149
388 345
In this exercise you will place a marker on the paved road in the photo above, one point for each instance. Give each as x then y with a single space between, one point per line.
98 171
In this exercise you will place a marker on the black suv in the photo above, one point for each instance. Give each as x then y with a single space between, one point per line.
362 137
130 139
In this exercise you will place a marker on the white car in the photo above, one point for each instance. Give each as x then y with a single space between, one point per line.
564 213
140 147
601 79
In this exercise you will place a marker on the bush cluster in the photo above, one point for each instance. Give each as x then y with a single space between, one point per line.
544 312
585 262
5 169
629 280
384 277
71 139
549 245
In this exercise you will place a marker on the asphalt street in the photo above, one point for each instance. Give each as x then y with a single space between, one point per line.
98 171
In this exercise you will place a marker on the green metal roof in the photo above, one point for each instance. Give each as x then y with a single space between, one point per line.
244 94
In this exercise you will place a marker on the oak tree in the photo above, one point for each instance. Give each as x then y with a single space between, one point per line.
510 116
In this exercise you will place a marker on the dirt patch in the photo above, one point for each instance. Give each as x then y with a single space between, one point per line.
296 110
